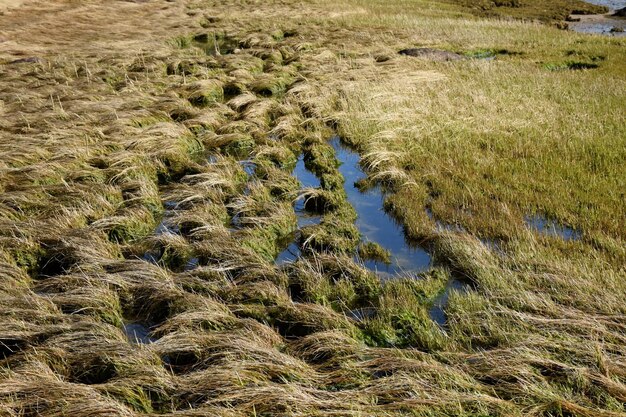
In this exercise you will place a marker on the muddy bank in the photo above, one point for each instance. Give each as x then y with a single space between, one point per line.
611 23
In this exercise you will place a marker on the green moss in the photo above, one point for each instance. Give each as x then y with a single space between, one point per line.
319 158
402 319
331 181
378 332
280 157
180 160
265 239
347 292
333 234
175 258
281 184
323 201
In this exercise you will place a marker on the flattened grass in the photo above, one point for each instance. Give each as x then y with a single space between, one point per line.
104 144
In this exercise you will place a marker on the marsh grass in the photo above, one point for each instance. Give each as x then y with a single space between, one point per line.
193 113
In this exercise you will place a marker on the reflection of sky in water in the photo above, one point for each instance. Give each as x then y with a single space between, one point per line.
550 228
137 333
611 4
373 223
307 180
290 254
249 167
306 177
437 311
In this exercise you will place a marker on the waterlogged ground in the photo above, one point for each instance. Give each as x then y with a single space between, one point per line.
183 233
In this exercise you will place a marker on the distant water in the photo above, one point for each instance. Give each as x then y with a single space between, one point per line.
611 4
602 24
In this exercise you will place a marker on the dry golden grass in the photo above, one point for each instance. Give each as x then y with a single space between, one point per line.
145 178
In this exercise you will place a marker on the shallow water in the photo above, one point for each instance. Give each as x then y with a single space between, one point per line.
306 177
611 4
138 333
165 226
437 311
374 223
291 253
602 24
249 167
307 180
551 228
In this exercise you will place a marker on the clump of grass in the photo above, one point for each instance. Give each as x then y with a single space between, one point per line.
181 42
570 65
334 234
268 85
373 251
205 93
401 319
333 281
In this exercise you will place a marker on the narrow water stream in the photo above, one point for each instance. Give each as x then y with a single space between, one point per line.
307 180
375 224
437 310
165 226
138 333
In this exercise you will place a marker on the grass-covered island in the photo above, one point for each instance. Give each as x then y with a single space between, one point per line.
311 208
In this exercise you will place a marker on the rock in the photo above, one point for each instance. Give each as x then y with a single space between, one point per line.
432 54
620 12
